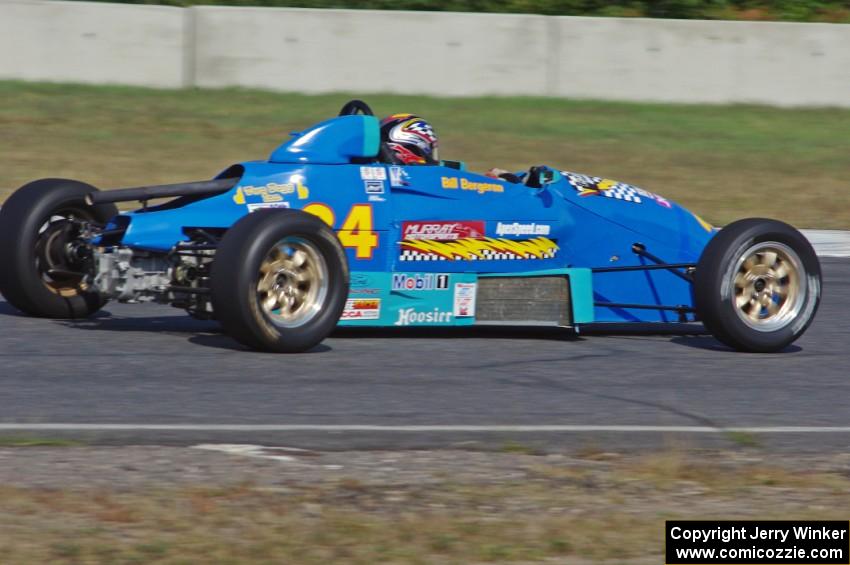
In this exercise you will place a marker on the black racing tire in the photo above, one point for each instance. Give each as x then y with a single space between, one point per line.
28 243
279 281
757 285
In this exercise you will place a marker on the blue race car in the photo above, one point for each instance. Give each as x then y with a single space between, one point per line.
328 231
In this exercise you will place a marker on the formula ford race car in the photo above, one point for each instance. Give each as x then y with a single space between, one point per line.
325 233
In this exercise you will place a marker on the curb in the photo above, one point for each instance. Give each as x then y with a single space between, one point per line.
829 243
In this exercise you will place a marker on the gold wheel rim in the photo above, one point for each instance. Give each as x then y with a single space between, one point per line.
293 282
63 285
769 286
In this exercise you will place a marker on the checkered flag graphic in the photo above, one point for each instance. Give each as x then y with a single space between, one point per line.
623 192
487 255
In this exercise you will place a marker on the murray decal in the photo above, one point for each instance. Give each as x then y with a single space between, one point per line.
441 231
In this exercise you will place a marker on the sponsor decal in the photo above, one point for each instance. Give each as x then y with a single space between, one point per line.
366 290
373 173
464 300
260 206
362 309
595 186
412 316
358 280
398 177
427 281
441 231
374 186
360 283
454 183
486 249
273 192
522 229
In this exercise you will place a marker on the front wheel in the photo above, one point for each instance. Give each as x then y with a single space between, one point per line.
279 281
757 285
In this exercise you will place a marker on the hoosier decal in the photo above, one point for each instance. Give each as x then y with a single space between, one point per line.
473 249
412 317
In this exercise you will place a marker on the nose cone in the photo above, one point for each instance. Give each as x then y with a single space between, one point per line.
650 215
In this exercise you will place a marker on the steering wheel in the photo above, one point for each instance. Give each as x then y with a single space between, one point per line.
354 107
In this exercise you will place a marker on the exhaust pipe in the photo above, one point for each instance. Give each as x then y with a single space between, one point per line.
143 193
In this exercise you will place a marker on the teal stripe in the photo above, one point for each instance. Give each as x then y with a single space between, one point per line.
581 292
371 136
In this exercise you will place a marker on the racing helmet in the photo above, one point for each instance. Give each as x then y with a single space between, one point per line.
407 139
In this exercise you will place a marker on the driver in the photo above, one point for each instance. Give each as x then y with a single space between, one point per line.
407 139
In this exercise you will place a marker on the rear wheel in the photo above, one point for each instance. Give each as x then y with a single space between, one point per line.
279 281
44 263
757 285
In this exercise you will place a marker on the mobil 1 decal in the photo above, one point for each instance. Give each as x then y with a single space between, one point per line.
420 281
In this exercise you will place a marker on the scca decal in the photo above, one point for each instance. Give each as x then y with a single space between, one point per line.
362 309
356 231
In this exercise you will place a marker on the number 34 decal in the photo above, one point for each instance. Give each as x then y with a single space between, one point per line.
356 231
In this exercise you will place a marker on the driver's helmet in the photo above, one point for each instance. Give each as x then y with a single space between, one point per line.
408 140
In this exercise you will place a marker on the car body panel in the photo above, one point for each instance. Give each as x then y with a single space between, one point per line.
441 299
426 222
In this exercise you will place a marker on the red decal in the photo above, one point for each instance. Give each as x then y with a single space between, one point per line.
442 231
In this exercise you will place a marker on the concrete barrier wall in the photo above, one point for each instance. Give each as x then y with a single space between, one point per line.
373 51
92 42
704 61
311 51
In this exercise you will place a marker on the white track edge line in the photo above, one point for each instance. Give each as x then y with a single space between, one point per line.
418 428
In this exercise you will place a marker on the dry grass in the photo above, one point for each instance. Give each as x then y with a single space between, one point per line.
560 510
724 162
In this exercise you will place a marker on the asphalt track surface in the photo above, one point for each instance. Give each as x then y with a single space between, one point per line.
150 374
